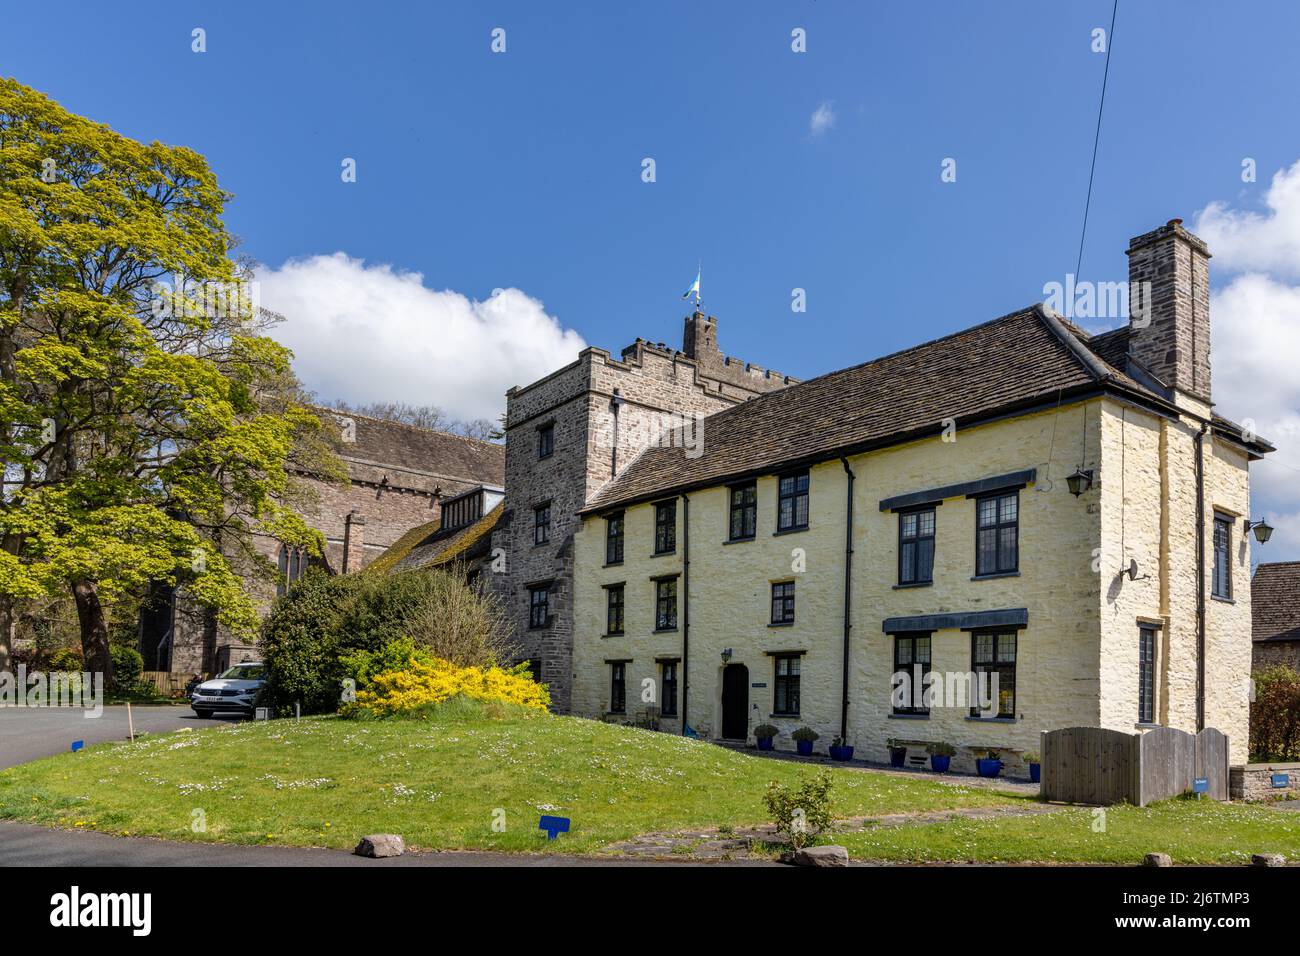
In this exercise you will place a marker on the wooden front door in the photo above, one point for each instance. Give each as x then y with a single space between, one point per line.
735 702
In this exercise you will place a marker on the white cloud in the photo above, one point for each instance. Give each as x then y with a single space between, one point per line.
1256 329
823 118
1250 241
369 333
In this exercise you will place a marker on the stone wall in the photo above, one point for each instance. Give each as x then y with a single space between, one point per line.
398 474
1149 515
603 410
1273 653
1254 781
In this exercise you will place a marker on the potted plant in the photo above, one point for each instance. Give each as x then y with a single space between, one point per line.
990 765
803 739
840 750
1035 766
941 755
763 734
897 752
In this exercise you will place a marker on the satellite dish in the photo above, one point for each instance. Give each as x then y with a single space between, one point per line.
1132 569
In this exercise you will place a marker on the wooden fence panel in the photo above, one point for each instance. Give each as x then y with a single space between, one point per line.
1099 766
1212 761
1090 765
166 682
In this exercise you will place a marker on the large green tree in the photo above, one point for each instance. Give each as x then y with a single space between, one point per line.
147 424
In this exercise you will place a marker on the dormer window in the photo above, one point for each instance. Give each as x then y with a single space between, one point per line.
468 507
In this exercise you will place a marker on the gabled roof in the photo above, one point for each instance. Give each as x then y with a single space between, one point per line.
380 445
1023 360
1275 602
428 546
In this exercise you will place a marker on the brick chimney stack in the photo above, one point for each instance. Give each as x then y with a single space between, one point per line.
1169 307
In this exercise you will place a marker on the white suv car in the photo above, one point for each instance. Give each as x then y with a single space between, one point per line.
235 691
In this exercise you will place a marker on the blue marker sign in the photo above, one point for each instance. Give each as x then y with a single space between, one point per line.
1201 785
554 826
77 745
1281 780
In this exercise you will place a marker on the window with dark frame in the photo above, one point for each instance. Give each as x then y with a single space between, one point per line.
785 693
783 603
916 547
614 609
614 539
545 441
744 511
535 668
912 651
542 523
618 688
997 532
1221 581
1146 674
668 689
994 652
666 527
792 502
539 606
666 604
293 563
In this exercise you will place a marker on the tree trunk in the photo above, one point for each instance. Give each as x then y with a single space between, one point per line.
6 633
94 631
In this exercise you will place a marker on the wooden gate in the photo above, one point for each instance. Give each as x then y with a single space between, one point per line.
1212 761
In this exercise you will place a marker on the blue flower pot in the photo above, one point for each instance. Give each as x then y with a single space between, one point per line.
939 764
841 753
804 747
764 743
898 757
988 768
1035 771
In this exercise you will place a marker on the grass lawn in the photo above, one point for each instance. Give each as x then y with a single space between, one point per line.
1189 831
325 782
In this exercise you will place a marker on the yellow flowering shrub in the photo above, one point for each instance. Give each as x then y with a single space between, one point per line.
398 693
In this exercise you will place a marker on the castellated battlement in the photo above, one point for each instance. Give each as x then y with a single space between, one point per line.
598 413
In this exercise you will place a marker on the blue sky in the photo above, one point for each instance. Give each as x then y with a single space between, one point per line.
522 170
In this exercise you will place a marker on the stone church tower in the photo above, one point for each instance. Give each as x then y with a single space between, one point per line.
566 436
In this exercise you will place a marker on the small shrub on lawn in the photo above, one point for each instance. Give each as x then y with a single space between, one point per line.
420 686
1275 714
801 813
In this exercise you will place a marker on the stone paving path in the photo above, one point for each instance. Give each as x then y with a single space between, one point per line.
738 844
1007 784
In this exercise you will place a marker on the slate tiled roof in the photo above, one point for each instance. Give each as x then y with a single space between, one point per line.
1027 358
424 450
1275 601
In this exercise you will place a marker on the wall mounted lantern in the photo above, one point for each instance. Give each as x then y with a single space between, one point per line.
1080 481
726 656
1263 530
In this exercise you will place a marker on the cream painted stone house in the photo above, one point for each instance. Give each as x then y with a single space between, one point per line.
915 514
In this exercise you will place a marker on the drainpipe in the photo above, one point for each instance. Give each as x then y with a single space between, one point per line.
615 403
1200 577
686 604
848 595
